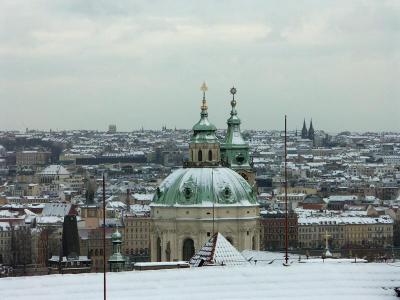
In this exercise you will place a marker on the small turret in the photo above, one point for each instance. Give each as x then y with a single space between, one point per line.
234 149
116 260
204 148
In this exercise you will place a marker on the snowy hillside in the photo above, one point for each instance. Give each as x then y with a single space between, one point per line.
329 280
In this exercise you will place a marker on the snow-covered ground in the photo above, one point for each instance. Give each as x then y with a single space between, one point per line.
330 280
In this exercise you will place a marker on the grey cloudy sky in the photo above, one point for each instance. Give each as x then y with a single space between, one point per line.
85 64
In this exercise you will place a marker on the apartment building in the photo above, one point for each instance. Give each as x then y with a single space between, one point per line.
345 231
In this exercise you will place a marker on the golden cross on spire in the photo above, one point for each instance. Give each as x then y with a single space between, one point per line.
204 87
204 107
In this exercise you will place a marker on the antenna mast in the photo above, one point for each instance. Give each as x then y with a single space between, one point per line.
286 200
213 204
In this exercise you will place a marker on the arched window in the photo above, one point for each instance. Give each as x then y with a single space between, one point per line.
200 155
158 249
209 155
253 246
191 155
188 249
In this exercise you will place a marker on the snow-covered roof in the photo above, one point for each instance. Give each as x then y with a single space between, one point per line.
143 197
4 226
342 198
56 209
333 279
342 220
50 220
138 208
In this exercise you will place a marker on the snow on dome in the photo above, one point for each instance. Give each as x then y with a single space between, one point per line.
197 186
54 170
218 251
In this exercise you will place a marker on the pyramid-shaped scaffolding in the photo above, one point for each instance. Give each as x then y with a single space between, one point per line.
218 251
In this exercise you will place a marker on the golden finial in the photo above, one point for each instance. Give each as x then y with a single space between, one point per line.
204 107
204 87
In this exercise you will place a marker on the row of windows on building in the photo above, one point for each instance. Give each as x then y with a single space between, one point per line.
336 236
137 251
137 223
320 229
137 229
280 237
280 230
95 252
141 243
333 229
136 236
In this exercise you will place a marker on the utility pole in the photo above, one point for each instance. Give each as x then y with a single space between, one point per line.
104 239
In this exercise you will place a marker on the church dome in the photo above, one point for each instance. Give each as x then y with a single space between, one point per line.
203 186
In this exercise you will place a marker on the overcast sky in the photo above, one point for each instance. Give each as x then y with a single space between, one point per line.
88 63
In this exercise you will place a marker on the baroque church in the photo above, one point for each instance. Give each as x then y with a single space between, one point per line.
213 192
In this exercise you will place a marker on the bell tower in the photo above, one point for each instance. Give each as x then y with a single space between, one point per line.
204 147
234 149
304 132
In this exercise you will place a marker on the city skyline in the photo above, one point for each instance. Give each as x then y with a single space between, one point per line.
87 64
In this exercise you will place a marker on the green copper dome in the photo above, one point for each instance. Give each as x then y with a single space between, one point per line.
204 125
204 186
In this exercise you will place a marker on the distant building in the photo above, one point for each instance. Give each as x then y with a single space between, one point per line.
273 230
33 158
345 231
112 128
5 243
91 244
136 236
53 173
69 259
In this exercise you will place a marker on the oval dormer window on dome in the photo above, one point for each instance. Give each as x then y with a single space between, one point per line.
226 192
187 192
